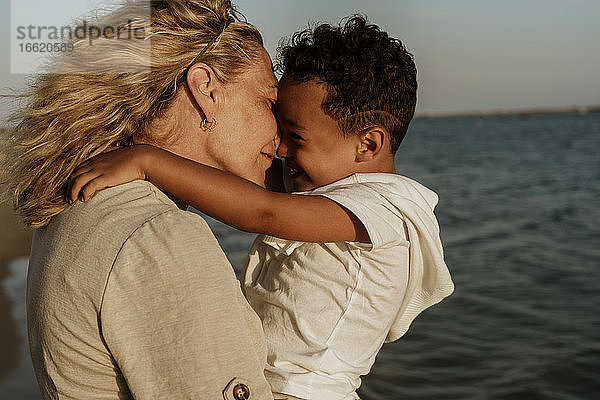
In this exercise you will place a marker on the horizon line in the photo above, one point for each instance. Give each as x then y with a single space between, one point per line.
505 112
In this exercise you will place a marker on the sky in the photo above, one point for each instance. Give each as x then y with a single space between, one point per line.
471 55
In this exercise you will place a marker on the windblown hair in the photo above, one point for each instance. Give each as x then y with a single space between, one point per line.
371 79
73 116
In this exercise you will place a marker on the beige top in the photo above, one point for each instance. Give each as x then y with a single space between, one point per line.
130 297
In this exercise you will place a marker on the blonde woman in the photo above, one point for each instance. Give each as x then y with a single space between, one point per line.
130 296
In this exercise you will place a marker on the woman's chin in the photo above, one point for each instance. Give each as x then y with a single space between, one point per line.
260 180
263 179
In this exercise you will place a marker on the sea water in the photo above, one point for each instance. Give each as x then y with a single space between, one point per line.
519 213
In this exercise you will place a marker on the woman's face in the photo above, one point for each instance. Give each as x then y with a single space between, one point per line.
245 138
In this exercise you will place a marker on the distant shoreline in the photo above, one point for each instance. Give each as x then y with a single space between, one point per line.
520 112
525 112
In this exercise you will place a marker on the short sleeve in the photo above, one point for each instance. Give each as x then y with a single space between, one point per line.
174 318
383 221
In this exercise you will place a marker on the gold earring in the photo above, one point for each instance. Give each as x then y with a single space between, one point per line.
210 127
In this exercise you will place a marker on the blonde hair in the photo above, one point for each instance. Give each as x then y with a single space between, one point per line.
71 117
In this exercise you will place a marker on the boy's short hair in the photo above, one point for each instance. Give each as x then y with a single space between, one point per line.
371 78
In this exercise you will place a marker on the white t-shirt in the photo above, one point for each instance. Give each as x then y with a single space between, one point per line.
327 308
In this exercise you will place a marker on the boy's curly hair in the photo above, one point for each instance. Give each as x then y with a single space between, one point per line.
371 78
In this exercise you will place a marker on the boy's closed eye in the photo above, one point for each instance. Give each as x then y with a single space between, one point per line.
295 136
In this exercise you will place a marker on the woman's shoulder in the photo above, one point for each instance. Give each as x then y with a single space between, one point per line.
113 216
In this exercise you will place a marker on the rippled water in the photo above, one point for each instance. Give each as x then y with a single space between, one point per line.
520 217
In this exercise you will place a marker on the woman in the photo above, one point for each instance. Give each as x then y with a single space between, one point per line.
129 295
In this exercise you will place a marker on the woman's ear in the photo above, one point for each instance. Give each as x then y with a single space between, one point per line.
204 87
371 143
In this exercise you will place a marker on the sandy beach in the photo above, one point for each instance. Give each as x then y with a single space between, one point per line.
15 242
15 238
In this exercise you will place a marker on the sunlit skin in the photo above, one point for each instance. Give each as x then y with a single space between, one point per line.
243 111
316 151
313 144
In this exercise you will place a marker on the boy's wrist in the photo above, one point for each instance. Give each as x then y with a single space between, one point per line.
143 159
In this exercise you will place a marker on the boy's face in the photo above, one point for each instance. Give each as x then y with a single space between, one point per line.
311 141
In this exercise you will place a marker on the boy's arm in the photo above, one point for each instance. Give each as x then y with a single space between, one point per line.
222 195
249 207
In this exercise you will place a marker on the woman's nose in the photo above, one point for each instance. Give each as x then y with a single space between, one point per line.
282 148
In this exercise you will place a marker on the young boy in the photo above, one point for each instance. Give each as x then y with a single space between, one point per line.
354 257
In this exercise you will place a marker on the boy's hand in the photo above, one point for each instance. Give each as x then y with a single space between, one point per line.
113 168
